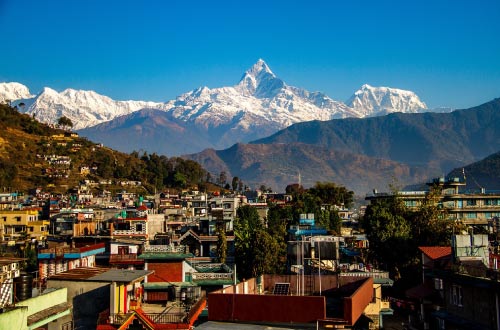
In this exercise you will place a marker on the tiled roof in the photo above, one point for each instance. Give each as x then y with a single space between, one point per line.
436 252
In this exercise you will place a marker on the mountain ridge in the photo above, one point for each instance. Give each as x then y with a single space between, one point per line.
419 146
258 105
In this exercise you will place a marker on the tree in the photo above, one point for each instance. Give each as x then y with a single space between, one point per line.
221 241
332 194
222 178
294 189
234 183
246 226
64 121
389 234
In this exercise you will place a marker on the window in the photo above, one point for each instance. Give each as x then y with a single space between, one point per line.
138 227
4 219
18 219
470 215
410 203
471 202
456 295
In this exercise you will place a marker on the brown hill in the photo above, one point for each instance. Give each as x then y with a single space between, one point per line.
277 165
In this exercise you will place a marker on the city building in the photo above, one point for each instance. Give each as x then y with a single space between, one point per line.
471 207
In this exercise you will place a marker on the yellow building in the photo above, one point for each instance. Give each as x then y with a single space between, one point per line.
22 224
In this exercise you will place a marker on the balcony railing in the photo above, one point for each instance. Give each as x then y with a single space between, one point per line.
158 318
211 276
366 274
166 248
131 257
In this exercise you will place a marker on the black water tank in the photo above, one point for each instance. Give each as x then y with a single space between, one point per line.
23 286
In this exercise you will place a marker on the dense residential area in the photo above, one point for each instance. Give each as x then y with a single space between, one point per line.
305 258
131 201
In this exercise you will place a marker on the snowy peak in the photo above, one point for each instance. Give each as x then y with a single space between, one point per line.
375 101
84 108
13 91
260 81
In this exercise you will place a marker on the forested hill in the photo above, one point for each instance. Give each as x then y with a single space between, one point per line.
482 174
437 140
33 154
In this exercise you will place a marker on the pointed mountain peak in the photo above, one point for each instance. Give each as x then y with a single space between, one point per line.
259 68
260 81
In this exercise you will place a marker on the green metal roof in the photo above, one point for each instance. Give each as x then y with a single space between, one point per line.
214 282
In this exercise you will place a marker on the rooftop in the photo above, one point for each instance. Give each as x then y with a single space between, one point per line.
436 252
94 274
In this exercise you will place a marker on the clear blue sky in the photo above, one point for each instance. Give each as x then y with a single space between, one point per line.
448 52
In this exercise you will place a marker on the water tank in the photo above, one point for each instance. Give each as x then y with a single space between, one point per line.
23 286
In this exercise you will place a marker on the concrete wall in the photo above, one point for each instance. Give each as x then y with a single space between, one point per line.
311 282
156 224
14 319
17 318
41 302
88 299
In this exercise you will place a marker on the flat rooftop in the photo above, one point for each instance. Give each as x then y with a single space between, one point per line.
95 274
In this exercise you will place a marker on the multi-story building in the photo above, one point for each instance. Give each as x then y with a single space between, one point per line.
472 207
73 223
459 290
22 224
63 258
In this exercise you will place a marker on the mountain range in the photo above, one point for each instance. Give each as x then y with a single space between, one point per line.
364 154
260 104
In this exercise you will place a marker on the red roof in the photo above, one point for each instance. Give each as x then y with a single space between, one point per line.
436 252
142 208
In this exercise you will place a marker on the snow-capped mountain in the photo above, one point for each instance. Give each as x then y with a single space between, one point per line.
84 108
259 99
257 106
13 91
375 101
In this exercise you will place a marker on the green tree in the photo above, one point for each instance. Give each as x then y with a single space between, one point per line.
329 193
221 241
64 121
246 225
234 183
389 234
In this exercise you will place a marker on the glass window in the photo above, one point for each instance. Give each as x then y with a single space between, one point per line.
470 215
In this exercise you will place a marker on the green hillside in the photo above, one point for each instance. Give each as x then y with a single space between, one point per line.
33 154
